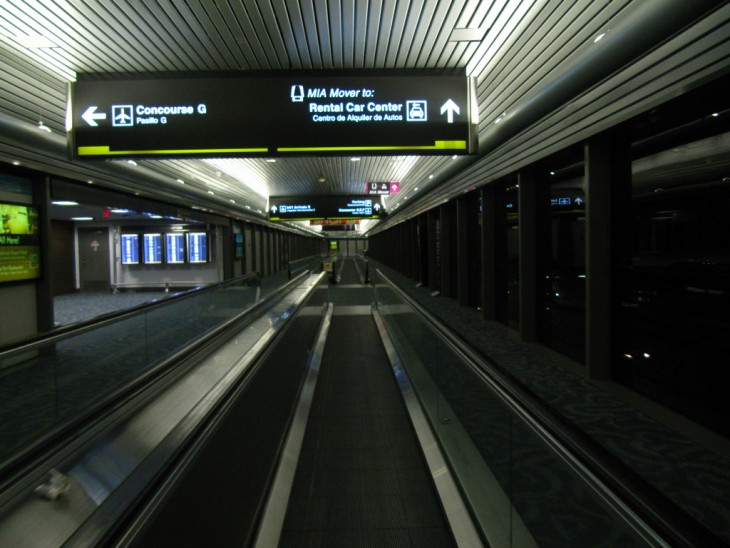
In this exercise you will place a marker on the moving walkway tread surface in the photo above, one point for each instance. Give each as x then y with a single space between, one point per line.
361 479
347 273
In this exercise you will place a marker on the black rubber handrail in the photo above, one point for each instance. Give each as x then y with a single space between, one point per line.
659 512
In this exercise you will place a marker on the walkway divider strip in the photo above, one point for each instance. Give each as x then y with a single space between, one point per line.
457 513
274 513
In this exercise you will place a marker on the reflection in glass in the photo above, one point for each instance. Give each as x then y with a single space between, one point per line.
673 338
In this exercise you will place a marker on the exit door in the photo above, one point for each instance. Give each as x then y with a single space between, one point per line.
94 272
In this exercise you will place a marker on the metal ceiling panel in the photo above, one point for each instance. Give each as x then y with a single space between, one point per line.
526 45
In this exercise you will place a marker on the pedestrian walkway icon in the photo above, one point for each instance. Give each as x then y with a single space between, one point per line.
416 111
122 116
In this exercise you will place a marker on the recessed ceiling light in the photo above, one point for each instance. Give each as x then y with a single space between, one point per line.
132 162
119 210
16 163
271 160
82 218
180 181
599 37
468 35
211 192
44 127
64 203
354 159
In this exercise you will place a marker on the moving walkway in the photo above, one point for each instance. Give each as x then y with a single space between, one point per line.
330 414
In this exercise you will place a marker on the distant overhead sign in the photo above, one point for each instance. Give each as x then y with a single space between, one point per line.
272 114
377 188
308 208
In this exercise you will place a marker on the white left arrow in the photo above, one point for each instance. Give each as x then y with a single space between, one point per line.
449 107
90 116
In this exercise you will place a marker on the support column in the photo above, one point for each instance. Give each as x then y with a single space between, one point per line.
44 286
423 249
489 252
608 221
528 209
434 283
463 263
447 252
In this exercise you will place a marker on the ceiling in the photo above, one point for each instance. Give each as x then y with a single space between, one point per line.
548 74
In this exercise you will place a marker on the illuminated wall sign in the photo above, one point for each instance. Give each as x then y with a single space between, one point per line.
308 208
19 243
273 114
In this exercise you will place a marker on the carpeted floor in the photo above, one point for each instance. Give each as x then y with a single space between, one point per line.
79 307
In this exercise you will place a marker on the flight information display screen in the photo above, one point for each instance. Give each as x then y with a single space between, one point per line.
130 248
286 113
198 247
175 248
152 248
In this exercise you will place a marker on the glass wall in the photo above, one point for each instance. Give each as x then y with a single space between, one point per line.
673 338
511 265
562 276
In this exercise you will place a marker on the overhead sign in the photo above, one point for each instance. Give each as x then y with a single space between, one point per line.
281 114
377 188
334 222
308 208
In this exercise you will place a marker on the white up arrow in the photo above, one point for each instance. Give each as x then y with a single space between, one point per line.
90 116
449 107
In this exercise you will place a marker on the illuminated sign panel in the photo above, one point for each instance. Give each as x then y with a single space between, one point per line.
280 114
308 208
19 243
